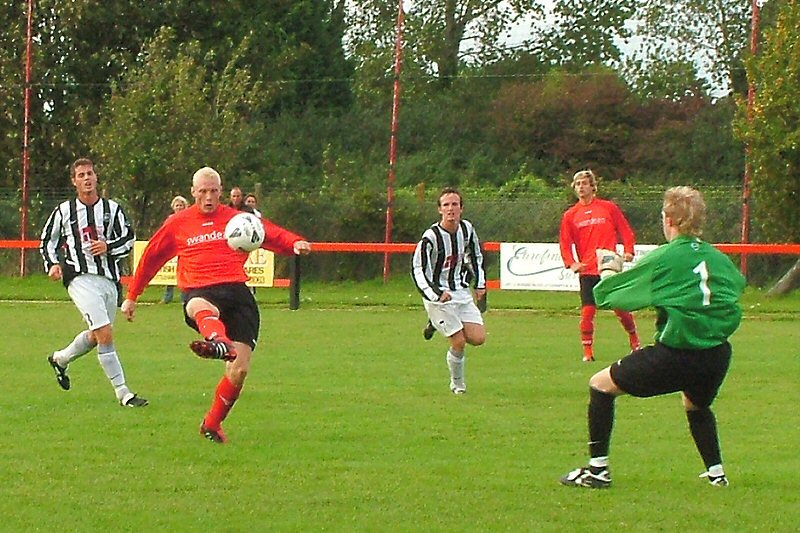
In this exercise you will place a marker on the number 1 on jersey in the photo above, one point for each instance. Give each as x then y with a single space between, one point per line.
702 270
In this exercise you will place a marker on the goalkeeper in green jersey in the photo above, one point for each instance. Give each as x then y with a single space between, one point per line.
695 290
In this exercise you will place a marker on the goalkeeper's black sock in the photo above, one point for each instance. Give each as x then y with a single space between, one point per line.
703 425
601 421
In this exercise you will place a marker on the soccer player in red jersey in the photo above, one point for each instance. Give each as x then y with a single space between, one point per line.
217 303
589 225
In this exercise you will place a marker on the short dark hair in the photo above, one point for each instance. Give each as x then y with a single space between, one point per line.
81 162
450 190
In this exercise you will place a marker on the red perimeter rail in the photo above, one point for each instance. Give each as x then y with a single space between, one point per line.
403 247
293 283
398 247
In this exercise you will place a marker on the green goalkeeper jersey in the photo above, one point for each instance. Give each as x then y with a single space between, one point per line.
694 287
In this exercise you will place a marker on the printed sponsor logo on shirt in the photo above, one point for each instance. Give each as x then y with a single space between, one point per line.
205 237
591 222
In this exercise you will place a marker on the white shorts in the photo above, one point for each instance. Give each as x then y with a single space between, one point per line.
448 318
96 299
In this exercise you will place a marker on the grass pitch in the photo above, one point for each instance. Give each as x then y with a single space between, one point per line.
346 423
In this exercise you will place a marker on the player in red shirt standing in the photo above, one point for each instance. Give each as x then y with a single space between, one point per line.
590 225
211 275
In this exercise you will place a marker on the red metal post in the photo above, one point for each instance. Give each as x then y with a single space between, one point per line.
398 68
748 168
26 138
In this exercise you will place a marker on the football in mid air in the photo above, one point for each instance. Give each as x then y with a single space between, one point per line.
244 232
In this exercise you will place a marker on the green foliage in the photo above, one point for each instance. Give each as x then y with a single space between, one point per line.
268 97
665 78
525 183
440 36
82 49
12 79
587 33
689 140
571 121
709 32
167 112
772 130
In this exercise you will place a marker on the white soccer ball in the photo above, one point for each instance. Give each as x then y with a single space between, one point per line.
244 232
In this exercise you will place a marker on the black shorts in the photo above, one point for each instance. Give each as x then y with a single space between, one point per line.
659 369
588 283
237 310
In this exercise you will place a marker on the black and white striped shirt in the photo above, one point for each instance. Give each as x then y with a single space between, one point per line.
70 229
445 261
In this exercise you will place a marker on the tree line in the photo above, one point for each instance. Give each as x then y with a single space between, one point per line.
298 96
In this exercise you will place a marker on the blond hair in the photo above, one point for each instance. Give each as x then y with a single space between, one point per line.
581 174
205 172
686 210
177 199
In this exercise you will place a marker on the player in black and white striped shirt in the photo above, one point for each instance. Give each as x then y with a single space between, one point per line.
82 243
446 261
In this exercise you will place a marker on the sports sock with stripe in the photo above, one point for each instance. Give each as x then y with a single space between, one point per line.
80 345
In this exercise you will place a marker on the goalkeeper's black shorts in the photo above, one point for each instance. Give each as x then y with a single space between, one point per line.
659 369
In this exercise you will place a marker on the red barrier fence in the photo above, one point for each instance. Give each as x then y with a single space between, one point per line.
293 283
19 244
397 247
404 247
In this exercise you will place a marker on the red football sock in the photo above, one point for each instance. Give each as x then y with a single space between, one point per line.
629 324
210 325
587 327
226 396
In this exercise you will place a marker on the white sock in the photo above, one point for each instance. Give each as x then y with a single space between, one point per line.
109 360
716 471
80 345
455 362
599 462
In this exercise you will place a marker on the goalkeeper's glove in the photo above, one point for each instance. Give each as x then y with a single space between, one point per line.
609 263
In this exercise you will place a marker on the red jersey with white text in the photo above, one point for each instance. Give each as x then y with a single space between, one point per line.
590 227
204 257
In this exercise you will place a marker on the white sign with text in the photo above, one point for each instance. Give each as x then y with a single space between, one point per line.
538 266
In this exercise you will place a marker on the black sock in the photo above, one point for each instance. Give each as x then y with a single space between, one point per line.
703 425
601 420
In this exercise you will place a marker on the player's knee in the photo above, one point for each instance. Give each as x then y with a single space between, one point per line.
689 405
476 339
602 382
197 304
458 342
102 335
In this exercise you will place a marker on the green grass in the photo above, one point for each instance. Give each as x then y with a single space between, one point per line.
346 424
